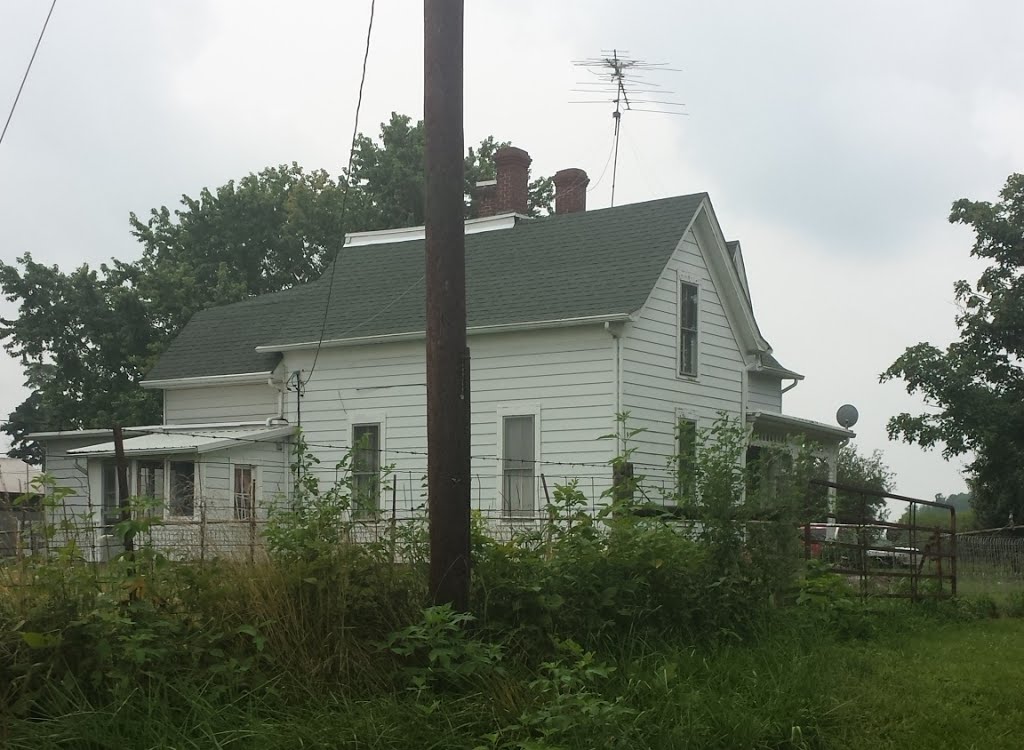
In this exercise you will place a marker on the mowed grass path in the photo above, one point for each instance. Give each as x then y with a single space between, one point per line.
957 686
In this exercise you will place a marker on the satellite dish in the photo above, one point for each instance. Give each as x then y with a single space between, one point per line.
847 415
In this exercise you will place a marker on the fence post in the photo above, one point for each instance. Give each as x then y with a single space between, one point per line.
202 529
252 530
622 481
952 551
914 571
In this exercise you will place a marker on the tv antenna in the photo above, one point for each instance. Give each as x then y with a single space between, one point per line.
624 82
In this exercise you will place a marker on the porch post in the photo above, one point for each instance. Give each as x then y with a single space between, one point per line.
832 456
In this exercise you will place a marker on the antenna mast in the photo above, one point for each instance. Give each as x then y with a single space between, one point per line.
622 78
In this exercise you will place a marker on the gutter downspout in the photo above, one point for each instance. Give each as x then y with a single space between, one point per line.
744 394
618 382
280 402
791 386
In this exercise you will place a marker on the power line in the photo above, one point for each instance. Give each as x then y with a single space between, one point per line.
348 187
27 69
170 430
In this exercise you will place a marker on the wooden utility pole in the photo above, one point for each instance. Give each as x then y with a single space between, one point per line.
448 446
122 486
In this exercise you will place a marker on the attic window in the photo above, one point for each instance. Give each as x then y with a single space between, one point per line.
688 306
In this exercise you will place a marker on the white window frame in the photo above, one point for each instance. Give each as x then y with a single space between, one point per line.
194 460
683 278
379 418
688 415
133 483
518 409
255 468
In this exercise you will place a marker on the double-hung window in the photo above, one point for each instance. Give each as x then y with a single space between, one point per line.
518 465
689 303
245 491
182 495
149 487
111 499
365 469
686 461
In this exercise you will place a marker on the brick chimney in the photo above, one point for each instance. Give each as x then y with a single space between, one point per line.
570 191
485 198
513 166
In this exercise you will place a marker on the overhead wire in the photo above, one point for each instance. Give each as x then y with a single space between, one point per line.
346 189
170 429
28 68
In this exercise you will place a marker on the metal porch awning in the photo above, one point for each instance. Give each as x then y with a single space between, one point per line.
770 424
165 441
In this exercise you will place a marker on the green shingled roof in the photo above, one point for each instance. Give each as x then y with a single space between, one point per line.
602 262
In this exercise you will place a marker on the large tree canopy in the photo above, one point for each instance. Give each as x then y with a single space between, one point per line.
975 387
86 337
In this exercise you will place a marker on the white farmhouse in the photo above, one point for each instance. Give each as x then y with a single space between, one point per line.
573 318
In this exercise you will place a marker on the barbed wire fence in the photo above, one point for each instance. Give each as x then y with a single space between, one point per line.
992 559
220 526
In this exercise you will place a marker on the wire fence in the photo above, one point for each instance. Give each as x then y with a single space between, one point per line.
992 561
207 538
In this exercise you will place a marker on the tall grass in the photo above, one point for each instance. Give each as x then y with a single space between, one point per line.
610 630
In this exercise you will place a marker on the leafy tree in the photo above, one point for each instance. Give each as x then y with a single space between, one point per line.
959 500
267 232
84 341
87 337
976 385
391 174
865 472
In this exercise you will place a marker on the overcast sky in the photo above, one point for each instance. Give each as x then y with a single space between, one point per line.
831 137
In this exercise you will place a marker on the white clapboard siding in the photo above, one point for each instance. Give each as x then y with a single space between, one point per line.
765 393
223 403
567 374
70 472
216 477
652 391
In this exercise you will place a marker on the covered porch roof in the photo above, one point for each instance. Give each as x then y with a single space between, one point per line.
171 439
779 426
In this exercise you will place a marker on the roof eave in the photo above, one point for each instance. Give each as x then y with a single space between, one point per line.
798 425
241 378
780 372
471 330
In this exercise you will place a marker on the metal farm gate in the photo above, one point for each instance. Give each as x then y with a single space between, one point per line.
913 557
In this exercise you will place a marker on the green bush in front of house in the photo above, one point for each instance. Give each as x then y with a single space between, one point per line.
639 625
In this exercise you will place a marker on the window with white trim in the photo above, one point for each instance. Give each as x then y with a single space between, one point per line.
366 449
149 488
518 465
111 500
686 460
182 488
689 303
245 491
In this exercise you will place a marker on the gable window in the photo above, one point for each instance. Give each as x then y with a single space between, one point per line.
686 461
245 491
365 468
149 487
182 495
518 465
688 306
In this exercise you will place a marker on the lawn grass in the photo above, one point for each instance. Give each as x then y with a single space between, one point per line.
953 686
998 585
